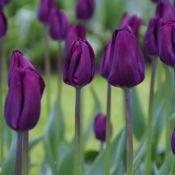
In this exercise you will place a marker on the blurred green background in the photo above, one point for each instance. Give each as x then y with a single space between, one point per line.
25 32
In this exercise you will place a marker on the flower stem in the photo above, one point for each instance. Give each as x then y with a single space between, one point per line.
47 66
168 110
25 153
78 139
129 142
19 154
59 72
150 116
108 115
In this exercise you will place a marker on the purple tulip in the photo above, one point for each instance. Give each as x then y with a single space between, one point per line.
3 23
127 66
133 21
85 9
105 63
173 141
100 127
151 37
44 10
26 86
165 10
74 33
58 24
79 68
166 41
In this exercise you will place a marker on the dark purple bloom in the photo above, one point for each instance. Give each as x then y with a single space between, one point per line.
74 33
3 2
127 68
133 21
79 68
26 86
151 37
105 63
100 127
166 41
44 10
58 24
165 10
173 141
85 9
3 23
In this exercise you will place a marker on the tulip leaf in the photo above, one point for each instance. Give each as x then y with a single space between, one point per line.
34 141
138 116
117 155
54 136
8 167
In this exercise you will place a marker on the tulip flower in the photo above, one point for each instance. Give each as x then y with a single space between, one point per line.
151 37
105 63
173 141
85 9
3 22
58 24
79 67
22 107
166 44
165 10
133 21
127 66
74 33
44 10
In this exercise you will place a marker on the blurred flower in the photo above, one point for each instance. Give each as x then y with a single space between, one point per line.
44 10
166 41
100 127
74 33
3 2
3 22
105 63
151 37
22 106
127 68
85 9
79 68
173 141
133 21
165 10
58 24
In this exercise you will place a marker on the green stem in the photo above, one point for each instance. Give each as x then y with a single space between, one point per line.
129 142
59 72
1 107
168 110
47 66
148 168
78 138
19 153
108 129
25 153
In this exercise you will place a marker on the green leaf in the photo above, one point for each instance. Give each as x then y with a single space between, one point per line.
138 116
54 136
34 141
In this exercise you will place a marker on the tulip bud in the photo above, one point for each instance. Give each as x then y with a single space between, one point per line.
74 32
127 66
167 43
105 63
58 24
85 9
165 10
151 37
173 141
3 23
100 127
79 68
133 21
44 10
22 106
